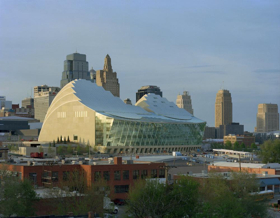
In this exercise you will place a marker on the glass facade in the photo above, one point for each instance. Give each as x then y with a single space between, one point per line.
120 132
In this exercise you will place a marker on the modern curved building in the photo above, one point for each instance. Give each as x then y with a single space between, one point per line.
89 115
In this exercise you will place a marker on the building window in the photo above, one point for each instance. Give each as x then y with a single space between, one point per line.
75 137
161 173
33 178
121 188
135 174
153 173
117 175
97 175
106 175
144 174
65 176
55 176
126 175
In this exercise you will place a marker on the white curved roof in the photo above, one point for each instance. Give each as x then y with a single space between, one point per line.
103 102
161 106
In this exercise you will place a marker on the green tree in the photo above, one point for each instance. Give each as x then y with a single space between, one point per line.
57 140
68 139
64 140
149 198
60 150
228 145
270 151
41 149
79 149
242 146
53 143
230 197
76 195
69 149
254 146
16 197
236 146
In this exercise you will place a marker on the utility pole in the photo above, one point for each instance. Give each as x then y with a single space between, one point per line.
239 163
166 167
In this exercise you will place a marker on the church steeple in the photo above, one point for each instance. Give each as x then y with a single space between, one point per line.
107 64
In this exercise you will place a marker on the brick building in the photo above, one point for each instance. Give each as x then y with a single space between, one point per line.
119 176
247 140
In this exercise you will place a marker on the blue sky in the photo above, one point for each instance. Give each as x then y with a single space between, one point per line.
198 46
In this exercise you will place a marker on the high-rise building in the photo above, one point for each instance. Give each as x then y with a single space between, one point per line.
267 118
185 101
146 90
43 97
223 108
75 67
27 103
107 78
127 101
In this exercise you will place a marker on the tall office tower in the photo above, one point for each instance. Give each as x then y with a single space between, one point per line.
146 90
223 108
75 67
127 101
267 118
107 78
27 103
185 101
43 97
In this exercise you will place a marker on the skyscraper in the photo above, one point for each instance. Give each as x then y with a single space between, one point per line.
43 97
75 67
107 78
267 118
185 101
146 90
223 108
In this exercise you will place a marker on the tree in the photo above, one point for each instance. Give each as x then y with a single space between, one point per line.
69 149
68 139
149 198
254 146
228 145
60 150
79 149
53 143
242 146
76 195
16 197
236 146
57 140
230 197
270 151
41 149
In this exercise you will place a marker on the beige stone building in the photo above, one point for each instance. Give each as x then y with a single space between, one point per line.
267 118
107 78
247 140
185 101
43 97
223 108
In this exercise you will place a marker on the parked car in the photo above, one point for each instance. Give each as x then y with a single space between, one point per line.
119 201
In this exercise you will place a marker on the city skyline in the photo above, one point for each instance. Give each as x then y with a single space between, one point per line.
196 46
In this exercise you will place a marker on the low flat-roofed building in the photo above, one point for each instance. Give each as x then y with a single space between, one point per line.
119 174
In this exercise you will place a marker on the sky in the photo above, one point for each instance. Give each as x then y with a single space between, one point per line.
197 46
